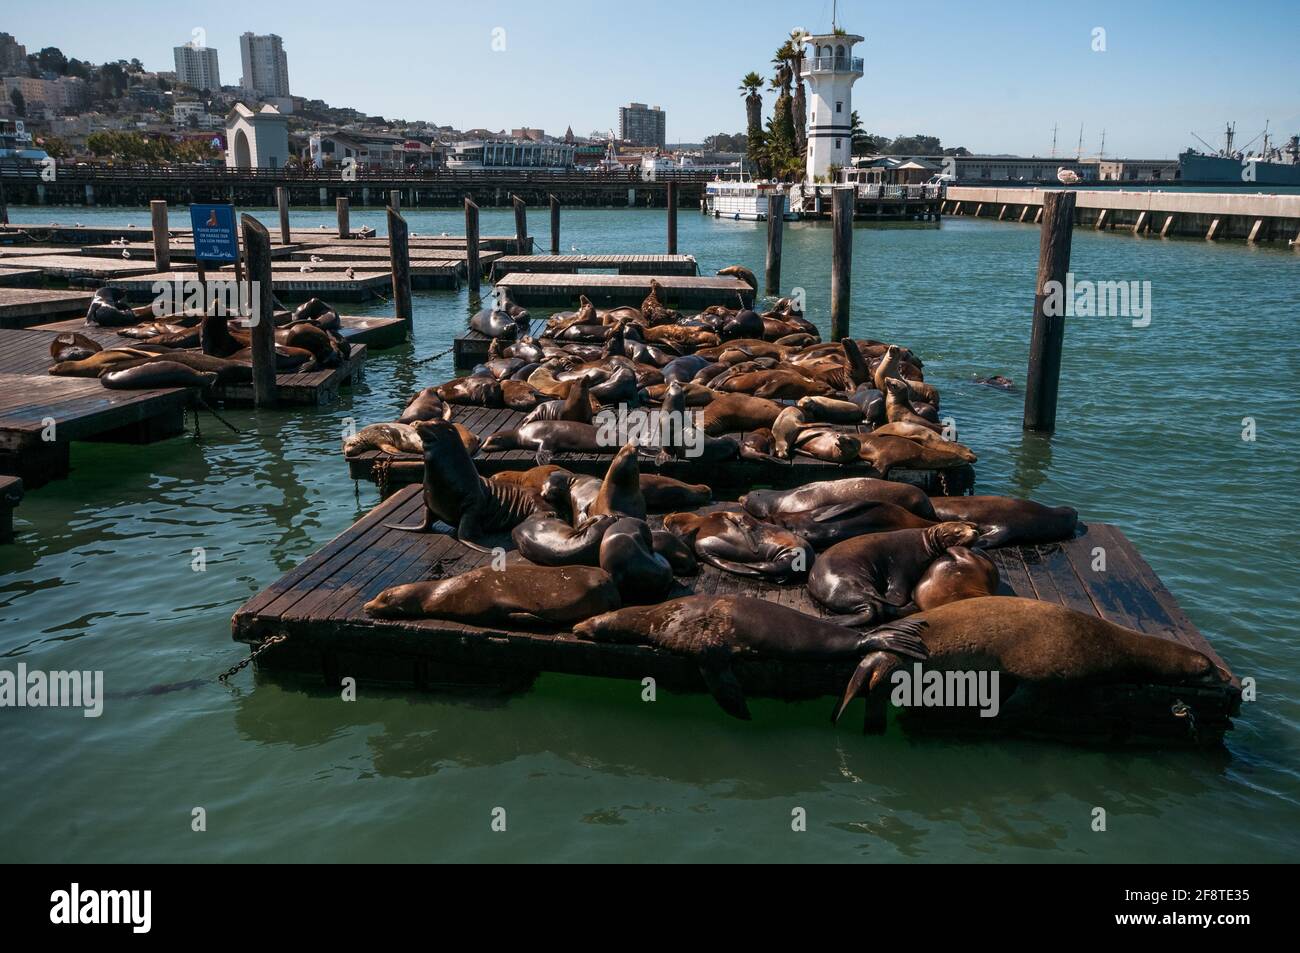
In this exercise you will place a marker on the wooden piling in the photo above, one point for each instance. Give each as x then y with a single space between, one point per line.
555 224
257 250
395 200
282 202
399 257
672 218
775 230
1042 381
162 249
472 269
341 207
4 203
841 260
521 224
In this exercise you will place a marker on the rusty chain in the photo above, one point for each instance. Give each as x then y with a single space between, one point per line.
242 664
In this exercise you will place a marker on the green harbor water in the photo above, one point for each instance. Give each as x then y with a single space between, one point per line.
1150 439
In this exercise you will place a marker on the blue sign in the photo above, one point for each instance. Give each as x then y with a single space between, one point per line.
215 238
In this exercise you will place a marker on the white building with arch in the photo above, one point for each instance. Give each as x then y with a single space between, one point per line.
256 140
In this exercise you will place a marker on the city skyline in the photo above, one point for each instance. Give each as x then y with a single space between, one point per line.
1148 79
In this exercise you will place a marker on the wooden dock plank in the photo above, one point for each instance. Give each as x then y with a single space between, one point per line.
623 264
679 291
23 307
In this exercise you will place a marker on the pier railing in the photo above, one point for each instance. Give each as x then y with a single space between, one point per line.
880 191
833 64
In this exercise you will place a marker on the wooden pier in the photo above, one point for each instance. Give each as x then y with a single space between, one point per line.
23 307
470 347
392 471
618 264
678 290
11 494
76 267
290 285
317 607
18 276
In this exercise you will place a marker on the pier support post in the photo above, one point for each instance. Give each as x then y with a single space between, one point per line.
1101 219
257 251
4 204
1213 231
1024 210
555 224
324 195
399 258
841 260
341 209
521 224
1254 231
672 218
775 229
1167 226
282 202
1042 381
395 200
1141 221
162 249
472 270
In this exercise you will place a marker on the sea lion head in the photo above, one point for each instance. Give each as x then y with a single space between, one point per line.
555 490
684 526
398 601
437 436
896 387
954 533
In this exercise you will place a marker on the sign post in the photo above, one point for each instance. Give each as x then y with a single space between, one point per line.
216 239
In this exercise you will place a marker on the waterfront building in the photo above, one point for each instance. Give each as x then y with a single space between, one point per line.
266 68
374 151
830 69
196 66
510 154
642 125
256 140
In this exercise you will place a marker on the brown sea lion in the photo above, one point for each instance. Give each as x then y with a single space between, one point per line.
664 494
731 412
544 596
870 578
1030 643
738 543
570 493
680 557
777 384
426 405
533 478
899 409
627 553
769 504
1007 521
156 374
478 391
517 395
715 629
457 495
827 525
547 540
547 438
833 446
680 336
960 573
97 363
830 410
575 405
884 453
620 490
926 437
741 272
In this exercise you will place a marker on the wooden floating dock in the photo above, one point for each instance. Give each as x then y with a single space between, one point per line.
75 267
471 347
23 307
620 264
679 291
177 251
290 286
376 333
318 607
310 389
11 494
391 471
17 276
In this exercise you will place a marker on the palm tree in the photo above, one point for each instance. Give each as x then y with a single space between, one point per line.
750 84
800 108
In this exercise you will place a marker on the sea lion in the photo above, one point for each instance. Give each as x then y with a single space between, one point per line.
833 446
157 374
831 410
426 405
1007 521
740 544
744 324
533 478
1030 643
715 629
97 363
457 495
960 573
828 525
731 411
885 452
664 494
107 310
997 381
898 406
776 384
926 437
627 553
871 401
680 557
517 395
71 346
550 541
546 596
620 490
547 438
684 368
741 272
870 578
769 504
497 324
571 493
394 437
481 391
576 405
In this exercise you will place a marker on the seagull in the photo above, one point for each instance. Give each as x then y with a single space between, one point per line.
125 253
305 269
317 258
350 273
79 225
445 235
573 248
324 226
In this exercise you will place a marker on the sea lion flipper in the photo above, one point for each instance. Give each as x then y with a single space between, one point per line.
834 511
425 527
903 637
725 687
871 671
729 565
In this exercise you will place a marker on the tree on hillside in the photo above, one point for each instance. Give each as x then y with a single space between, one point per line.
52 60
20 104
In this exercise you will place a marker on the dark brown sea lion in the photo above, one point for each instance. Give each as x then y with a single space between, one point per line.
664 494
885 452
768 504
533 478
156 374
776 384
872 403
960 573
71 346
715 629
627 553
680 557
1031 643
570 493
481 391
227 371
620 490
926 437
457 495
741 272
550 541
547 438
108 310
426 405
1007 521
738 543
828 525
545 596
871 578
899 409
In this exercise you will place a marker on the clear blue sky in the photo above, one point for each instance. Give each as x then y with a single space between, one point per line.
991 76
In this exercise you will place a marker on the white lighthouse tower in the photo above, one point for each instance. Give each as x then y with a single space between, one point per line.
830 69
